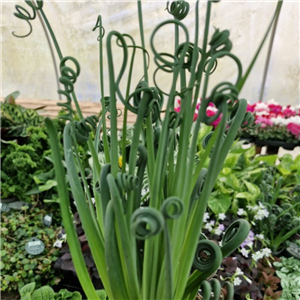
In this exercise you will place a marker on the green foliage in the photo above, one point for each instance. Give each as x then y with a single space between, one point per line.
15 118
45 292
288 270
17 266
19 164
238 182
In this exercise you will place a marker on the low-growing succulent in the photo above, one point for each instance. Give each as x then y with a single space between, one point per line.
17 266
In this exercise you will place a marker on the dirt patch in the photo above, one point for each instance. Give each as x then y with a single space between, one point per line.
9 296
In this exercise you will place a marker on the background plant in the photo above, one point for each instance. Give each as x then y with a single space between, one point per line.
288 270
17 266
148 252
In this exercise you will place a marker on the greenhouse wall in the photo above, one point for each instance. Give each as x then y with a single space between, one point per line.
27 65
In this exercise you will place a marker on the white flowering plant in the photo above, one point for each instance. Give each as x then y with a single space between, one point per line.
273 122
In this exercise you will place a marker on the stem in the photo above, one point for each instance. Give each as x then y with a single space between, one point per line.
269 51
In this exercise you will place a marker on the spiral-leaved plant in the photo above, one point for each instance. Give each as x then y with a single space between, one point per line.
154 251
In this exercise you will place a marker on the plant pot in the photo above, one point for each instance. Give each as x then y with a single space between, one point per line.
293 250
273 146
9 200
278 252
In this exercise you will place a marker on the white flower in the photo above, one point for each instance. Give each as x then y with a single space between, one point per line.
250 244
260 113
218 231
260 236
237 281
208 226
257 255
58 244
272 101
64 236
222 216
205 217
245 252
278 120
260 214
241 212
238 271
261 105
266 252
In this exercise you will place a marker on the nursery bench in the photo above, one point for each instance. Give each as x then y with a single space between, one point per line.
49 108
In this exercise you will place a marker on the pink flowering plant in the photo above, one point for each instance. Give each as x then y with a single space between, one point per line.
273 121
211 111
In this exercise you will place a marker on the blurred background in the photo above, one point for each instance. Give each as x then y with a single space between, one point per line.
27 65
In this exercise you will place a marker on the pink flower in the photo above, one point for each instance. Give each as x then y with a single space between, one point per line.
294 129
250 107
263 121
211 113
275 108
288 112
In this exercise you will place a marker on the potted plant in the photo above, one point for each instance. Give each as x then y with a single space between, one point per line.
278 126
150 251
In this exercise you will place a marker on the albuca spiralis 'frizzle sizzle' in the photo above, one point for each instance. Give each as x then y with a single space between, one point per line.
153 251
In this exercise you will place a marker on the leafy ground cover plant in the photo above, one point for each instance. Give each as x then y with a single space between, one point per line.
17 266
24 148
148 252
29 292
288 270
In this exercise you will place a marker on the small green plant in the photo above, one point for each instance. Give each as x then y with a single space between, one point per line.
17 266
288 270
28 292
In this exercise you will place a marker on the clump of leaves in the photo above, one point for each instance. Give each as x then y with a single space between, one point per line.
288 270
28 292
269 278
17 266
20 161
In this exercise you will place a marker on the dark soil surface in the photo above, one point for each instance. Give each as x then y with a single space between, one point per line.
10 296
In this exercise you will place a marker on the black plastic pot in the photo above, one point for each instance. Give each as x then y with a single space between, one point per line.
293 250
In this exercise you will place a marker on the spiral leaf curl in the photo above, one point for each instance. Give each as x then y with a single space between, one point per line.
172 208
159 57
205 289
208 256
227 291
99 25
178 9
188 55
234 236
174 119
68 78
216 289
84 127
145 99
248 120
146 222
126 182
23 14
220 42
